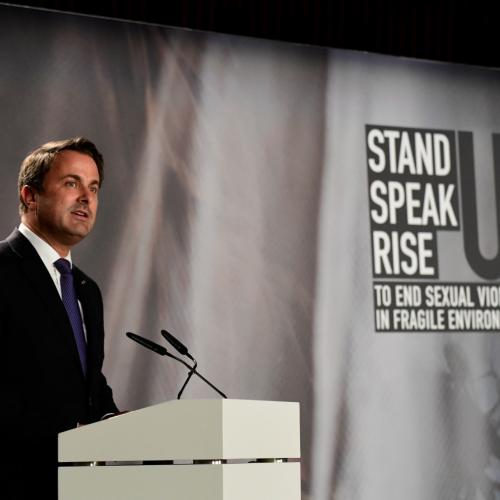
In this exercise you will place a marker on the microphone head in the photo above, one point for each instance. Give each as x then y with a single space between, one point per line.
148 344
175 343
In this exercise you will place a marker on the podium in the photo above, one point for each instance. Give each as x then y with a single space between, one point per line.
219 449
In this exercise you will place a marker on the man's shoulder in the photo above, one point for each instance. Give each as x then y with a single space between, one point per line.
16 245
6 250
10 261
4 246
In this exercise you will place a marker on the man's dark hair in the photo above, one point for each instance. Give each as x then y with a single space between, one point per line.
39 161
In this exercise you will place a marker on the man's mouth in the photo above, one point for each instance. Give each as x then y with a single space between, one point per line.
81 213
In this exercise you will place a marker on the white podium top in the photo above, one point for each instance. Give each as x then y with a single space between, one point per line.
212 429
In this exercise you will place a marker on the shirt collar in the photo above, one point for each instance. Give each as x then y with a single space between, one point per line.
44 250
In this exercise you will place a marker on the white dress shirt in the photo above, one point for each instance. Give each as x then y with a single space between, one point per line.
46 253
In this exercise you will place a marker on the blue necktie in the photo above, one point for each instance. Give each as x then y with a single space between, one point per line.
70 302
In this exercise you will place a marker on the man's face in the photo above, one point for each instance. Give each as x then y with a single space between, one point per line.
64 211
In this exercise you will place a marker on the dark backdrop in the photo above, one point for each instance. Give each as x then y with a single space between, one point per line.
444 30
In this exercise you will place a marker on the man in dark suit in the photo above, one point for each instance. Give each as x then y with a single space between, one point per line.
51 316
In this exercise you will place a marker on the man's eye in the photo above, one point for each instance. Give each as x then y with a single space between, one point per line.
71 183
94 189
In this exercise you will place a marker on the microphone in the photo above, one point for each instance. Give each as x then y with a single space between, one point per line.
148 344
177 344
182 349
153 346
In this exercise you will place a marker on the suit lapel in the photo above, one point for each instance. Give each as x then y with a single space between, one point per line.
36 273
91 308
86 298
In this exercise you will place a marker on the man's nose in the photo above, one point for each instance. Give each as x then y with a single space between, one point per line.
84 195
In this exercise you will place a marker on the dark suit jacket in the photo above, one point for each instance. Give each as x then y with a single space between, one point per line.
45 391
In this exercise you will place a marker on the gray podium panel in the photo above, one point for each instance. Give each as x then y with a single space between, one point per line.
260 481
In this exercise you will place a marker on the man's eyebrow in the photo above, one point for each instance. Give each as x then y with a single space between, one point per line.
78 178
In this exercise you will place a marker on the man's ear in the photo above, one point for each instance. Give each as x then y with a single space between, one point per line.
28 195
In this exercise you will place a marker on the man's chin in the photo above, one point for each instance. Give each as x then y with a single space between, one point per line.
77 234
